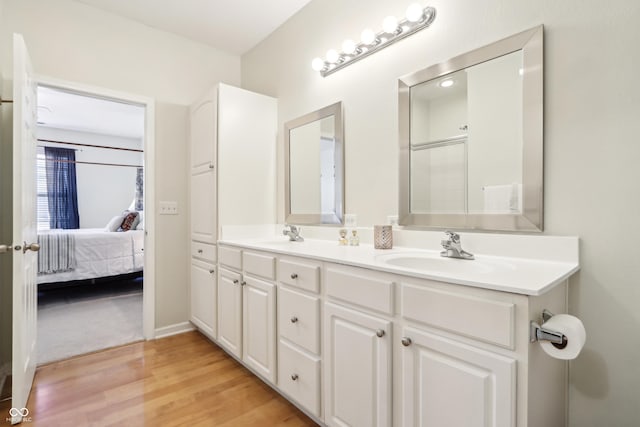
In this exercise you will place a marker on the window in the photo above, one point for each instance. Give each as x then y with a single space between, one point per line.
41 189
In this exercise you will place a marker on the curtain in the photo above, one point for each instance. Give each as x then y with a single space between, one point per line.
139 205
62 188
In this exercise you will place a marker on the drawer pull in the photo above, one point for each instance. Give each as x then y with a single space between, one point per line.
212 271
235 281
294 275
199 251
243 283
380 333
406 341
294 319
294 377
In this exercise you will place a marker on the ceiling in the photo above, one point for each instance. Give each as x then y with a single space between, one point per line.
233 26
67 110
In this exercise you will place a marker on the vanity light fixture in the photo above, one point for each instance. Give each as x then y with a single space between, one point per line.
417 18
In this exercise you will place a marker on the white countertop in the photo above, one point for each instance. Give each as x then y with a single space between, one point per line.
528 276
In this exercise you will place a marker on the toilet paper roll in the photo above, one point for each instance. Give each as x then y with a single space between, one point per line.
573 329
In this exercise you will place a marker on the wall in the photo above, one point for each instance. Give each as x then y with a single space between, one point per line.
591 151
70 41
103 191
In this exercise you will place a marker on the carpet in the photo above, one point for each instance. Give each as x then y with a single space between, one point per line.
84 319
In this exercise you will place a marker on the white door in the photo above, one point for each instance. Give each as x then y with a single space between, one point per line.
25 260
447 383
230 311
357 369
259 327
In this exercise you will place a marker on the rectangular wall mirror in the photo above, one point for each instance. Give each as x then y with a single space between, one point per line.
314 167
471 139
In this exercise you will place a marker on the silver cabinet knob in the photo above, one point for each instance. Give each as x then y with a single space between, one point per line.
235 281
199 251
294 377
30 247
406 341
294 319
294 276
380 333
212 271
210 165
243 283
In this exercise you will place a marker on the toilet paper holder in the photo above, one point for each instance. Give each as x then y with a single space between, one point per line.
538 333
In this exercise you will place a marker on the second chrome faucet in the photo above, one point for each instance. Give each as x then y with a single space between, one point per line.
453 247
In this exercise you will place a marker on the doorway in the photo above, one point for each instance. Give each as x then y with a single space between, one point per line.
112 272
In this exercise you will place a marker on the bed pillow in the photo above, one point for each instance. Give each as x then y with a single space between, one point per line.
128 221
114 224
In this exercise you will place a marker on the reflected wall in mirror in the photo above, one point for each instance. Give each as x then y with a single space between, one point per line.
314 167
471 139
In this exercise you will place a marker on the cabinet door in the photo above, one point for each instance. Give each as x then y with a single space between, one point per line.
259 326
447 383
357 368
230 311
203 297
203 206
203 132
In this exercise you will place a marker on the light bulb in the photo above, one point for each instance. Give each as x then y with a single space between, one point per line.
332 56
368 36
317 64
446 83
349 47
414 13
390 24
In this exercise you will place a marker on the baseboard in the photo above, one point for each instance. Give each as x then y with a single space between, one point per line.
175 329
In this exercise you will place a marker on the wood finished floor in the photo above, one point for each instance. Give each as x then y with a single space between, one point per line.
182 380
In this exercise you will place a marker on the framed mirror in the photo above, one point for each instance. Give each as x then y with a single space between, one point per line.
471 139
314 167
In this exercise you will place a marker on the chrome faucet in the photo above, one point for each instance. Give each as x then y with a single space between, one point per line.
453 247
293 232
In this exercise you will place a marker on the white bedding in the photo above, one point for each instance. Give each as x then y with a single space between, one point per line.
101 253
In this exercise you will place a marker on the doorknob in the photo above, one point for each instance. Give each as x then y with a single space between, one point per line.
30 247
7 248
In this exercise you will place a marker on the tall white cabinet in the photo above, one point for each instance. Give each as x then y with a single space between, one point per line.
233 182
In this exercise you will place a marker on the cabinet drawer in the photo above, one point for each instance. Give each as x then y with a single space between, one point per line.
203 251
230 257
488 320
259 265
299 377
299 319
304 275
361 287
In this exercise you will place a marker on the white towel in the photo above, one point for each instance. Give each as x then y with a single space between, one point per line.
57 252
503 199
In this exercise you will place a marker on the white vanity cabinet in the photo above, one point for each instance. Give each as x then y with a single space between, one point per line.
203 288
259 313
358 347
299 329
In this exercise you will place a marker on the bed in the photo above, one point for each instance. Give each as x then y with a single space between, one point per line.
72 255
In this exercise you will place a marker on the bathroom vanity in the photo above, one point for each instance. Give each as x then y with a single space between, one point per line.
356 336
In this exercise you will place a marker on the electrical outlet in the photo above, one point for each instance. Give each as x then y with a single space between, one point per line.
392 220
168 208
350 220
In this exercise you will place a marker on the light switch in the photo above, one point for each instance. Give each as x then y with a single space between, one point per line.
168 208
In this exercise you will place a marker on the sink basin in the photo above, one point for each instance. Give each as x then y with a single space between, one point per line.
434 263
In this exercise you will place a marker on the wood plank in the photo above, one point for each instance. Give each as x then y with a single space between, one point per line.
175 381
